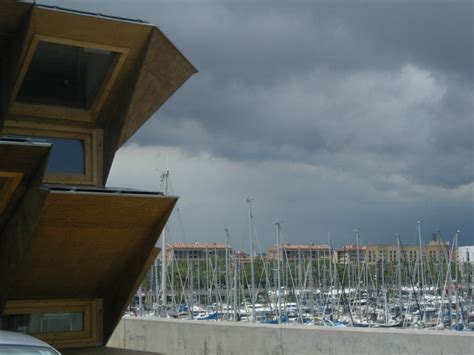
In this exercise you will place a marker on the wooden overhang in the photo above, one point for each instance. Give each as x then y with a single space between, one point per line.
92 245
146 72
22 165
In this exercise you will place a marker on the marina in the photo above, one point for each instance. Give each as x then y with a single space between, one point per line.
313 285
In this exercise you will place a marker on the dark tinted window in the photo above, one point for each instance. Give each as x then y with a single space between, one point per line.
65 75
44 323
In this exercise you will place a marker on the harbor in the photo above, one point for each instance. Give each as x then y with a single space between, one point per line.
366 286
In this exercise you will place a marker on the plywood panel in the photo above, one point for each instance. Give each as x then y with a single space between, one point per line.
92 245
84 241
22 160
164 71
19 219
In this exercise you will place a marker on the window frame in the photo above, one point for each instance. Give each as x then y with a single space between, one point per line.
91 308
65 112
92 139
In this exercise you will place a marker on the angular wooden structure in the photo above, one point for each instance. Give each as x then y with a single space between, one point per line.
75 87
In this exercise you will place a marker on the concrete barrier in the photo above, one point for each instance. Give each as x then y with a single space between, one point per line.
210 337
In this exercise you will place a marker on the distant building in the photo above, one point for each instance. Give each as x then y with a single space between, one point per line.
301 251
242 257
466 254
200 251
436 250
348 254
376 253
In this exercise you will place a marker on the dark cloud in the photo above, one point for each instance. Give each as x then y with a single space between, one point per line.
405 120
287 81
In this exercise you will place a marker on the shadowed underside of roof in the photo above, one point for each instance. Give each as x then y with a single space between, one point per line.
91 246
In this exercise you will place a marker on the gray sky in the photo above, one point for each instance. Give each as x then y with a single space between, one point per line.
331 115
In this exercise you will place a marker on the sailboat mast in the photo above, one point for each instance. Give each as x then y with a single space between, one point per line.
422 279
278 271
155 280
227 282
358 271
399 268
421 256
164 179
330 261
252 273
236 267
383 271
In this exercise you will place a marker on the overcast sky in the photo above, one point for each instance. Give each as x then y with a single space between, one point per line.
331 115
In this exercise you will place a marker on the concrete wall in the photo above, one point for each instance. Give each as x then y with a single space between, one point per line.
210 337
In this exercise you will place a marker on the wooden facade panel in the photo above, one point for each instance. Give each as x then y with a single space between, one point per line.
103 211
84 242
17 229
23 161
163 72
24 158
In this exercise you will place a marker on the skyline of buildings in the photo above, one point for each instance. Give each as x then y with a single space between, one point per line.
436 250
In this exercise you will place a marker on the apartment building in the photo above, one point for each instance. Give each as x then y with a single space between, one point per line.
199 251
301 251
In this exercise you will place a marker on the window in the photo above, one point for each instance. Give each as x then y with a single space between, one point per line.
74 157
44 322
58 322
65 79
65 75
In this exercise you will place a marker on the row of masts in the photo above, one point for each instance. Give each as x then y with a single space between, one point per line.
346 287
229 284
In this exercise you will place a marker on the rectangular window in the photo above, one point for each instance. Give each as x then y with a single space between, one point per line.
67 79
65 75
58 322
44 322
74 156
